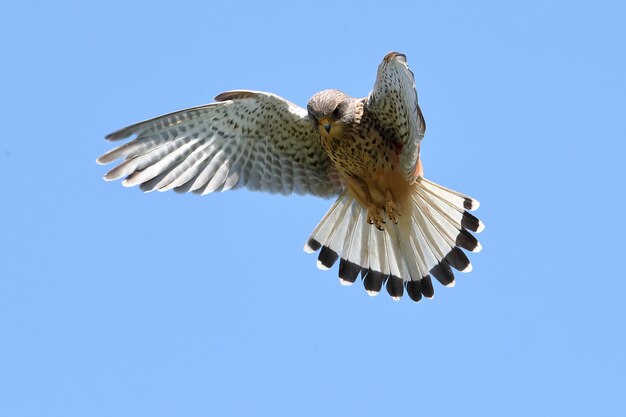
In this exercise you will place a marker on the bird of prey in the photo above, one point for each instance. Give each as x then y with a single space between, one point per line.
389 225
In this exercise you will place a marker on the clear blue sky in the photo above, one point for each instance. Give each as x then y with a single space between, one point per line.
119 303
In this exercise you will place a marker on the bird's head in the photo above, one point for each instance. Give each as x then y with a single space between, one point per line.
329 111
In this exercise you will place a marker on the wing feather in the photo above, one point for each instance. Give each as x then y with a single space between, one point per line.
393 104
246 139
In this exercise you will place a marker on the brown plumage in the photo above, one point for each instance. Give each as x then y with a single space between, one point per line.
366 160
389 224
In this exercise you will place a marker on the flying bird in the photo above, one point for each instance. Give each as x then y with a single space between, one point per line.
389 225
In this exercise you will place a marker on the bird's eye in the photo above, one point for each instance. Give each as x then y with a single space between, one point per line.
336 112
312 117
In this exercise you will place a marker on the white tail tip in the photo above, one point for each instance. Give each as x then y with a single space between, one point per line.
322 266
344 282
478 248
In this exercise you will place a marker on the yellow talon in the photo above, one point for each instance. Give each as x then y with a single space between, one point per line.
374 217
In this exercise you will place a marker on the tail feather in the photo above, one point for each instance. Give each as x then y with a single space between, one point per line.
454 198
397 265
321 231
427 240
353 246
443 273
427 288
424 254
418 268
373 282
455 208
338 234
435 245
352 243
414 289
348 272
377 255
358 250
395 287
326 258
449 226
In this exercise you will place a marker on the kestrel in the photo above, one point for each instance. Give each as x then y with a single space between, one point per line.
388 224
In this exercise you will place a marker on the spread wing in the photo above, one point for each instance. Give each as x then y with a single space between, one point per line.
393 104
246 139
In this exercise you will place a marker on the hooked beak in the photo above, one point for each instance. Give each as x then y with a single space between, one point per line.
327 124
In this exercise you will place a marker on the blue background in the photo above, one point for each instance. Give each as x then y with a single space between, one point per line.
119 303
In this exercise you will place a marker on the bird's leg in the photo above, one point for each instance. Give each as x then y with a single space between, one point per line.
391 208
360 190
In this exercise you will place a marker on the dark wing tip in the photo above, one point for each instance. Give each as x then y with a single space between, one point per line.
107 158
120 134
101 160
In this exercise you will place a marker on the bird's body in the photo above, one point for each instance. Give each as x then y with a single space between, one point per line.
367 161
388 223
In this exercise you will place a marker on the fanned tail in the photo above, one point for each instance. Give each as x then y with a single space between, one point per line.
426 241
